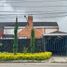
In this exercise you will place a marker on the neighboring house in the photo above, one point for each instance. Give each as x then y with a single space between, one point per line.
40 28
25 28
48 36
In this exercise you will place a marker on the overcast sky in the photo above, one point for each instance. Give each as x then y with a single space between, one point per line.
42 10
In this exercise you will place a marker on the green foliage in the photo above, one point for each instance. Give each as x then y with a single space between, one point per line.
32 42
25 56
25 50
15 45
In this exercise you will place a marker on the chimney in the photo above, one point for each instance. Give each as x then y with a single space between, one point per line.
30 21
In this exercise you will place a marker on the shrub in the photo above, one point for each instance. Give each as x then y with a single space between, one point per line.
25 56
32 47
25 50
15 45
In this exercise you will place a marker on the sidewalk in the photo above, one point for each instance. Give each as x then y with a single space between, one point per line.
33 65
58 59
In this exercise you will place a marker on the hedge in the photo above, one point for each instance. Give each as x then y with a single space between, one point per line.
25 56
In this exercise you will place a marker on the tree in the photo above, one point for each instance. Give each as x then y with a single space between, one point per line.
15 45
32 41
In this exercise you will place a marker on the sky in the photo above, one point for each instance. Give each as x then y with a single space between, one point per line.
8 13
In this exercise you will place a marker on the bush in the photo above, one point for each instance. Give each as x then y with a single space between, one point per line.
25 56
32 47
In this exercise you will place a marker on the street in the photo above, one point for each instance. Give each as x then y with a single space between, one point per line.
33 64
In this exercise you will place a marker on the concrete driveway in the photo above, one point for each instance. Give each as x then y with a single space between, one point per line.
33 64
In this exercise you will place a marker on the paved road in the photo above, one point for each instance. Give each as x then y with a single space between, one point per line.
33 64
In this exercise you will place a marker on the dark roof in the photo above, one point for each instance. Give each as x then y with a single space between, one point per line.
24 23
12 24
60 32
45 24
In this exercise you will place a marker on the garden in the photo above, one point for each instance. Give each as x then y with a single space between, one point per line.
28 53
25 56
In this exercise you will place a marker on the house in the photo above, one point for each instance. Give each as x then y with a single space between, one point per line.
24 29
40 28
47 34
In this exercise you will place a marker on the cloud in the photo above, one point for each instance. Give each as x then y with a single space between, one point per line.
4 6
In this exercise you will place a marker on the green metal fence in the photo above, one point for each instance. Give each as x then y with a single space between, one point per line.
56 44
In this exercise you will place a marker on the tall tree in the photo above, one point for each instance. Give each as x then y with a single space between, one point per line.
32 41
15 45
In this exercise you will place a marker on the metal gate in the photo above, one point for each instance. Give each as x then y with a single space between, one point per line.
56 44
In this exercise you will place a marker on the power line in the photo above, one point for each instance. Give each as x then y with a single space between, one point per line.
8 16
32 1
36 1
29 11
28 6
33 13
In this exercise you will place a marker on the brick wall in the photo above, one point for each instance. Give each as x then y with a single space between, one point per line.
26 32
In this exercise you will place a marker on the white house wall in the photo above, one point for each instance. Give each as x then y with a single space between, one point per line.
8 31
47 29
50 30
